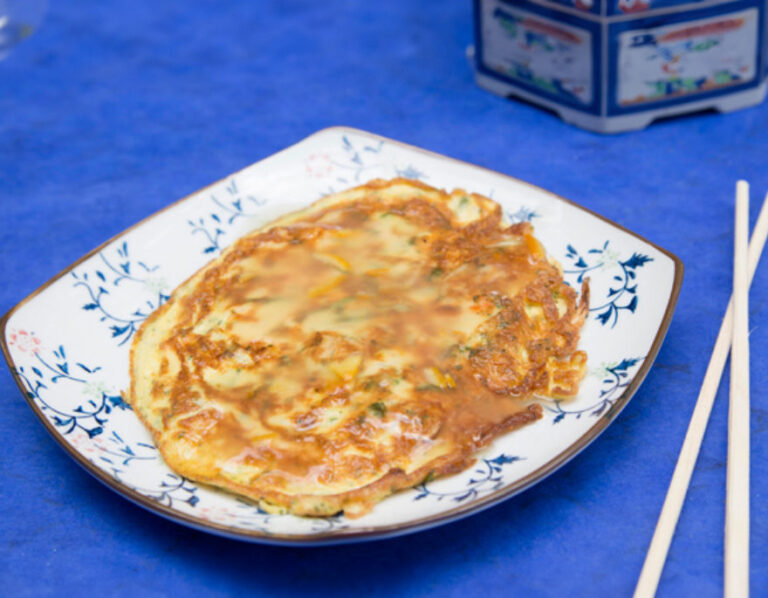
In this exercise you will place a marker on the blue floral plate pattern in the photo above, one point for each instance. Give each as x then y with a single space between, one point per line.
72 369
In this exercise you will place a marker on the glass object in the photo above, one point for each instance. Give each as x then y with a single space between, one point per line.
18 20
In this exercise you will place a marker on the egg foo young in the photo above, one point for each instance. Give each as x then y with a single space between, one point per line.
383 335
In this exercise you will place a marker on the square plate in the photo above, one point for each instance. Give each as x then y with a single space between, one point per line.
67 343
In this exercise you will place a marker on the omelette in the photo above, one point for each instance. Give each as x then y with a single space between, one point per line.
380 337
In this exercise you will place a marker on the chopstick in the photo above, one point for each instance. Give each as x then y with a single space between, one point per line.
681 478
737 478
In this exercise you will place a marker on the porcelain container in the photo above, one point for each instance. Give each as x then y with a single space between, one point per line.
617 65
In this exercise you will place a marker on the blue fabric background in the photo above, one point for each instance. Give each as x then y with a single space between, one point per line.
115 109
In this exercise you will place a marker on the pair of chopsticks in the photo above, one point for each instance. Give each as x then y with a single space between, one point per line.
733 335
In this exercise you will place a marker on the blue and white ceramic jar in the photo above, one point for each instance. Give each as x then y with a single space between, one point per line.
616 65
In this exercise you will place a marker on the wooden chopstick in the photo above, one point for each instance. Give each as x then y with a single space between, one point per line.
737 479
681 478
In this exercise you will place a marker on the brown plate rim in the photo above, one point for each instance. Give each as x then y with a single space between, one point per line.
374 532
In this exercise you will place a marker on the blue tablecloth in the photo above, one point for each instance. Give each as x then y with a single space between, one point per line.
114 109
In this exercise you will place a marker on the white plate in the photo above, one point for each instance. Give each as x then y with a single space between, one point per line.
68 342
